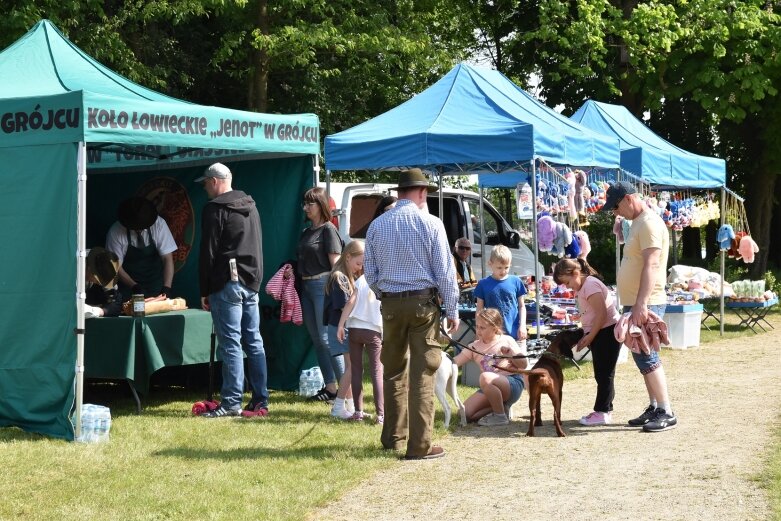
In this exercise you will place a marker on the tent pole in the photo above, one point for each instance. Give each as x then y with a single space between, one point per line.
81 294
536 248
482 233
316 171
721 254
441 200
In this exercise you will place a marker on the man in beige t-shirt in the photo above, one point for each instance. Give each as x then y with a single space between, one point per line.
640 282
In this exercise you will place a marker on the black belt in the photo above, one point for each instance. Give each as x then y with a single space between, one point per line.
428 292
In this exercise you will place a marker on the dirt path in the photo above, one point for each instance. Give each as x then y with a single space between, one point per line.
700 471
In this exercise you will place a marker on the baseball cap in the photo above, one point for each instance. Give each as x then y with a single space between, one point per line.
217 170
615 193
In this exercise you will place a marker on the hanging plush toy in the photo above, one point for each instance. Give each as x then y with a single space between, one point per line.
546 232
572 250
583 243
724 237
747 249
580 182
618 229
562 239
733 252
570 178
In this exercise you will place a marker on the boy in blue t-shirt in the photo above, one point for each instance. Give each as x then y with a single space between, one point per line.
504 292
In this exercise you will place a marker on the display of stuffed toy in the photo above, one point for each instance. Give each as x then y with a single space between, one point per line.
733 252
618 229
546 232
570 178
580 182
724 237
747 249
583 243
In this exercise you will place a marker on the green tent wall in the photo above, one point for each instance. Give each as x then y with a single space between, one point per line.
73 135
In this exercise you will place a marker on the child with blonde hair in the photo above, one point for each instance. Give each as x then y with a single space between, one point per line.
499 389
504 292
338 290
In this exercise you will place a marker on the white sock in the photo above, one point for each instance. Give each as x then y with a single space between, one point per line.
338 407
667 407
349 404
654 404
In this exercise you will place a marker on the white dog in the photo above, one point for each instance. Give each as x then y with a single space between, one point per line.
445 380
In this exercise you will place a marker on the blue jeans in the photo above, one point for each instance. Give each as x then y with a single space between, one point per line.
237 321
312 303
338 351
650 362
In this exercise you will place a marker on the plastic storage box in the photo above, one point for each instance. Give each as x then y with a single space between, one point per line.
683 325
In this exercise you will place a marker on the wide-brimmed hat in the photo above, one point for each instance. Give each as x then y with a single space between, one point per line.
137 213
104 265
615 193
414 178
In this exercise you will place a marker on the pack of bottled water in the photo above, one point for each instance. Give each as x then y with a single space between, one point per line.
95 423
310 381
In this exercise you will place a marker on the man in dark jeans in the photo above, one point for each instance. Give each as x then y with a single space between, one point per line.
231 269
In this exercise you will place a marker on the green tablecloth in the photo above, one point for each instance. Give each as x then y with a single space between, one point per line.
134 348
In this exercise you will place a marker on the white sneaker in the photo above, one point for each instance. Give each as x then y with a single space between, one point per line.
508 411
341 412
493 419
596 418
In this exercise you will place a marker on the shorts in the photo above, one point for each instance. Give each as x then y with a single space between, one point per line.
648 363
516 388
334 346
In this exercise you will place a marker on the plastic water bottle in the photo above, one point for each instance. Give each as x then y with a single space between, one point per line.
303 383
87 423
317 379
103 424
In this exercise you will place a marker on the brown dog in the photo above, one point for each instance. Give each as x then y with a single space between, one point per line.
546 377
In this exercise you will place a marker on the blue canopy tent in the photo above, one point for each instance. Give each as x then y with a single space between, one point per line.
471 121
655 160
643 153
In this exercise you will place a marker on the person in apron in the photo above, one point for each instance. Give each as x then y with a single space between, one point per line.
144 244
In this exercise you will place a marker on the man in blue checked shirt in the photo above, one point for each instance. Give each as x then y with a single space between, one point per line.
409 266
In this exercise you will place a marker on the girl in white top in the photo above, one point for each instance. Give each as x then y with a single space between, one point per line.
361 315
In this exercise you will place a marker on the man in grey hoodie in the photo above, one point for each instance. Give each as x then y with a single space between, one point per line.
231 269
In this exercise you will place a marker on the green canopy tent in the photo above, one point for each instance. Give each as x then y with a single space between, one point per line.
66 119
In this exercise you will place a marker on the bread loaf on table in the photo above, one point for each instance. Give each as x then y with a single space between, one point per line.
155 305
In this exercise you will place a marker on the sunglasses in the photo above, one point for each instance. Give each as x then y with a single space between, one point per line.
465 248
308 204
615 208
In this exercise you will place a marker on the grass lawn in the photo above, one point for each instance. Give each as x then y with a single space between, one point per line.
167 464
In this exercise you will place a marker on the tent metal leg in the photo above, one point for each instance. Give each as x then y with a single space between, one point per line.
135 395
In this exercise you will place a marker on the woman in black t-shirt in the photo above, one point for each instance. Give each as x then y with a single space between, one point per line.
318 249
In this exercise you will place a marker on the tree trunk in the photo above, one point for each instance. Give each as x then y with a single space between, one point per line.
691 251
759 206
257 93
711 246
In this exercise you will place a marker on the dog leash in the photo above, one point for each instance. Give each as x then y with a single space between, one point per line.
496 356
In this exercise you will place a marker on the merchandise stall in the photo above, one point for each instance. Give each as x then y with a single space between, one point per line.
70 123
682 187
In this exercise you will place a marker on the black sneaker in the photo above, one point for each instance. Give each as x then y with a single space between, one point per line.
221 412
323 395
661 422
644 418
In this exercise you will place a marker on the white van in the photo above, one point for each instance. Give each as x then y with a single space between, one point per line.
356 204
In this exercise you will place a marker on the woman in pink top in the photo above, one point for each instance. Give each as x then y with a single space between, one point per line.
598 316
499 389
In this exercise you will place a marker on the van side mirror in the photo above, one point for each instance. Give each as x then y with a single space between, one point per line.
514 239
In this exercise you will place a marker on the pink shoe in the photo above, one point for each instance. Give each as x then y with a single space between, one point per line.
596 418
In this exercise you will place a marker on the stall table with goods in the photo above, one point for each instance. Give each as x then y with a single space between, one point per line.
133 348
751 304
